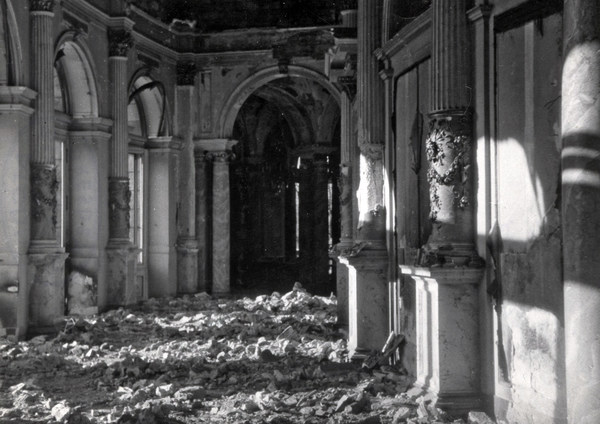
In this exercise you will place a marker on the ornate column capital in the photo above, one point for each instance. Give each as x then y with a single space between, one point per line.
119 42
186 72
221 157
41 5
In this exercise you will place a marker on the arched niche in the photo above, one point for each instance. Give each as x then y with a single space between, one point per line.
148 111
75 83
11 58
241 93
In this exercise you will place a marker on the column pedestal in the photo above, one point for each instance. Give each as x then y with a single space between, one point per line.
187 265
367 299
46 276
448 364
121 258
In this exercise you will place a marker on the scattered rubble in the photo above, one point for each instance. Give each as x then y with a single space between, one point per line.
273 359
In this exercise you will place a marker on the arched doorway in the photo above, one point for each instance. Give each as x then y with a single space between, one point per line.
283 184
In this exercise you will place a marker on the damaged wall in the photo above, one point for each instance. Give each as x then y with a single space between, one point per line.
527 238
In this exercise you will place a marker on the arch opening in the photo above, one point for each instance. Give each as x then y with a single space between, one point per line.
284 186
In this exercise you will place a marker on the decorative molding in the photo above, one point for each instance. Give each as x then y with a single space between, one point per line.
119 197
44 186
119 42
186 72
42 5
448 148
221 157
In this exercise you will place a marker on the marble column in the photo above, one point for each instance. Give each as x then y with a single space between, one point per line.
580 205
219 151
46 271
368 259
447 283
187 243
202 219
121 255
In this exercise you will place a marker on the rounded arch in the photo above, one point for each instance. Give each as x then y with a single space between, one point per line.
73 65
11 61
149 97
241 93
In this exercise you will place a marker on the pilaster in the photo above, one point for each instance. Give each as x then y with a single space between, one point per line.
46 269
447 284
580 199
120 253
202 219
187 243
15 133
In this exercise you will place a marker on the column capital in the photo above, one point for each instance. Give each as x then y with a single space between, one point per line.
42 5
186 72
119 42
214 145
224 156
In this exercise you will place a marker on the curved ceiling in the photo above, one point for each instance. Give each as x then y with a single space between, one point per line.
220 15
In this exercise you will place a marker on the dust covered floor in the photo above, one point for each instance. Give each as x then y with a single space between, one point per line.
269 359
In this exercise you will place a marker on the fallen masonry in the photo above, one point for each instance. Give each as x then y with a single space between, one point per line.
272 359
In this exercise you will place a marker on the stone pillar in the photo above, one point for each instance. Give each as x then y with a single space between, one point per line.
447 284
202 219
162 230
219 151
15 122
320 229
346 215
46 273
89 150
306 209
580 205
367 259
121 255
187 243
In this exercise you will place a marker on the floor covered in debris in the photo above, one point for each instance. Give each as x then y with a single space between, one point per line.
195 359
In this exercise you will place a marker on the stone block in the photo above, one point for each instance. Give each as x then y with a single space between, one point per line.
82 294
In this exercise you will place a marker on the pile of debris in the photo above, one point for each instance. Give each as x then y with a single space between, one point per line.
195 359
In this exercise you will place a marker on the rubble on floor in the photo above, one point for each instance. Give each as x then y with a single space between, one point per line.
273 359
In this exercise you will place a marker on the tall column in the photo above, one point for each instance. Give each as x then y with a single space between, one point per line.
120 252
306 209
46 258
187 243
367 260
580 206
202 219
448 362
219 151
320 229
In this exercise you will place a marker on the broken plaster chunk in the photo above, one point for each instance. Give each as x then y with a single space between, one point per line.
478 417
61 412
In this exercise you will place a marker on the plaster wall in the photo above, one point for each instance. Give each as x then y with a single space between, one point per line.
529 316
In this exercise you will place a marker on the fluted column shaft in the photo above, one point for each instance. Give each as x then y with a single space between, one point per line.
580 205
221 223
119 194
43 170
345 181
370 125
449 143
202 233
320 229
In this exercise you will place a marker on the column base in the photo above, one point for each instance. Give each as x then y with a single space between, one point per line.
187 266
367 302
46 287
447 312
121 258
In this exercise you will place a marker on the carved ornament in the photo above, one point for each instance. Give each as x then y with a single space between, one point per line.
44 186
449 154
41 5
221 157
186 73
119 197
119 42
